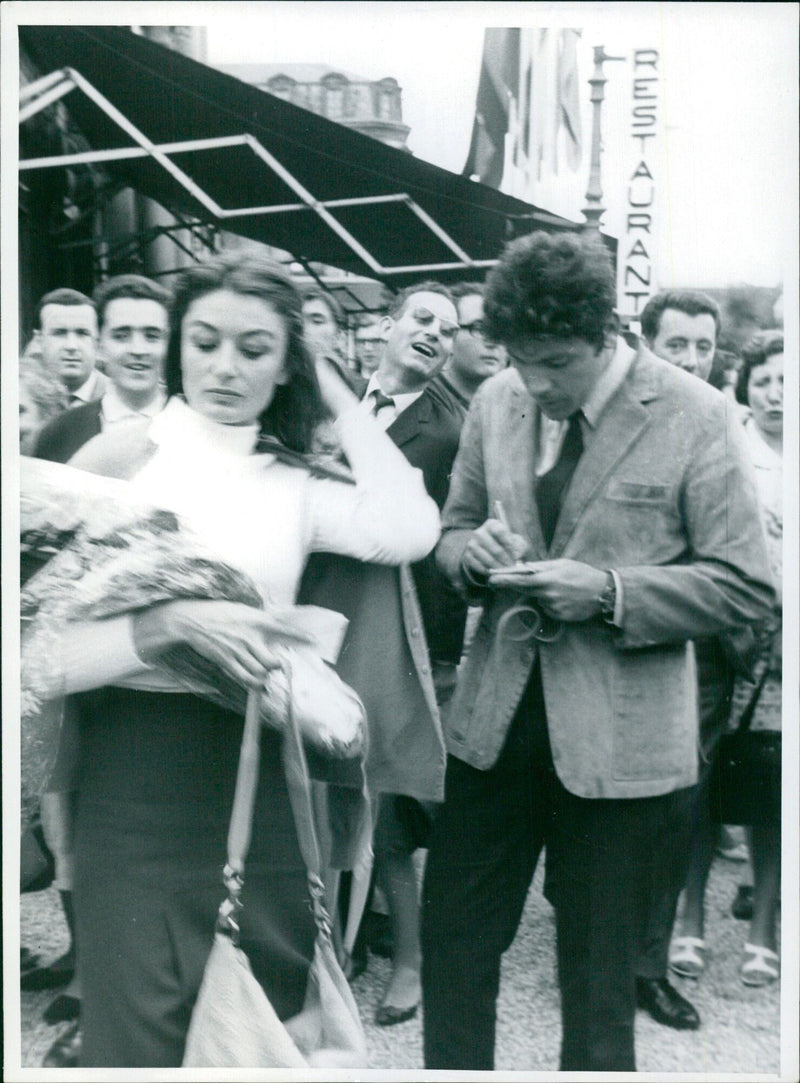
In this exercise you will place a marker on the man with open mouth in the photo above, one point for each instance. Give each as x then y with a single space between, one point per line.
424 419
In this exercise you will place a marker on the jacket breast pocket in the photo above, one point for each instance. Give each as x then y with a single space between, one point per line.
642 520
634 492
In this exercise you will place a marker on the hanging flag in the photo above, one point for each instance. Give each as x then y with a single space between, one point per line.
529 91
498 86
569 96
544 112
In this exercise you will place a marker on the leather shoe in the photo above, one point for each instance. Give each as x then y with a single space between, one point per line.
388 1016
665 1004
59 973
28 960
66 1050
62 1008
742 908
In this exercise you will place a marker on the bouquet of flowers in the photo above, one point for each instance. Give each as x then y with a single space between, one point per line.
99 553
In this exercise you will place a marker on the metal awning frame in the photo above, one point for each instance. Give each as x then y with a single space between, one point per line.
53 87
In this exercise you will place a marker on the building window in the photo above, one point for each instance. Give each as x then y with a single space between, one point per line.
281 86
334 95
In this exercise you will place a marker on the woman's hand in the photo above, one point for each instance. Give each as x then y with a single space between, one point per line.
336 395
241 640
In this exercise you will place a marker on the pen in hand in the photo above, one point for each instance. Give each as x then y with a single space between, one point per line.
500 514
519 545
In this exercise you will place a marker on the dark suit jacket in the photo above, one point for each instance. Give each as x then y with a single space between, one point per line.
428 433
64 435
383 656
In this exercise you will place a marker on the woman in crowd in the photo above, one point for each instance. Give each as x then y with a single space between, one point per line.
158 766
760 389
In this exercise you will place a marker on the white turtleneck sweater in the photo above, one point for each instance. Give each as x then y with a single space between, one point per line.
264 517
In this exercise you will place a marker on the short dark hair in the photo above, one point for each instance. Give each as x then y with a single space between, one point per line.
398 302
692 302
757 352
723 363
367 319
135 286
467 289
317 293
61 296
297 407
551 285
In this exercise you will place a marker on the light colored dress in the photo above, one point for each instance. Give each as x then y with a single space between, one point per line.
769 479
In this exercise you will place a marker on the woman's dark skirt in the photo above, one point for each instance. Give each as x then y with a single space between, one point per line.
156 784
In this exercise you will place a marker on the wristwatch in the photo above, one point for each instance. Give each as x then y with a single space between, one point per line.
608 599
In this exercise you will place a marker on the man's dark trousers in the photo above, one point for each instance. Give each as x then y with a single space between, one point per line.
486 841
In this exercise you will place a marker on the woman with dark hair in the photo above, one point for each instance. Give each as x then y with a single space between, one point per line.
760 389
158 766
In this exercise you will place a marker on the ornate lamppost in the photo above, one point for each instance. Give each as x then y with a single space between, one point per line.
594 209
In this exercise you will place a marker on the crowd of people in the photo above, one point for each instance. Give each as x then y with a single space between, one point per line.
558 548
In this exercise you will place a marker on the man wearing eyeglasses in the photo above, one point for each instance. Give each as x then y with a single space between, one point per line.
603 508
475 357
424 420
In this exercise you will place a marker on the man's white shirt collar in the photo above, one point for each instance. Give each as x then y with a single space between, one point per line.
388 414
87 392
114 409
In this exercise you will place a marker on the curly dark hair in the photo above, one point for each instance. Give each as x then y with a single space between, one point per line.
297 407
762 346
555 285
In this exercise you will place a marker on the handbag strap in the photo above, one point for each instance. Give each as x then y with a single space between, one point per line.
750 709
298 782
299 786
241 823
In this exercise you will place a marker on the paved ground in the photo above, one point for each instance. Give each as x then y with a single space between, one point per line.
740 1031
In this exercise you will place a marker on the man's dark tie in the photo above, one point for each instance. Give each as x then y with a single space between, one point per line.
552 486
380 400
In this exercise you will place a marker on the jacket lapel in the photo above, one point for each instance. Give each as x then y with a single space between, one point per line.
518 438
620 425
408 424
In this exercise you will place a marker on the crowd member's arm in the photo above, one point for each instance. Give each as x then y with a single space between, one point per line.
387 517
238 638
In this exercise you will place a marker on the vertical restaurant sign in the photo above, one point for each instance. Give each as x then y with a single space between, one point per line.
637 252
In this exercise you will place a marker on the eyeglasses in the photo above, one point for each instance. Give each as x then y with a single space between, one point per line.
476 328
425 316
369 341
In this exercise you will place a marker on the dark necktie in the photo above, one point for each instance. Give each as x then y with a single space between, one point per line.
380 400
551 487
